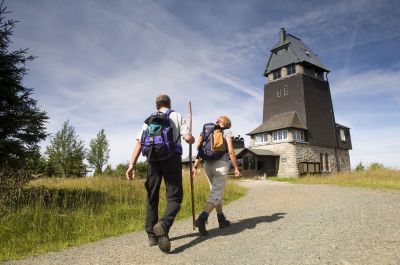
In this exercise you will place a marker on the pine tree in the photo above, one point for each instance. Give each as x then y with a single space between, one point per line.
22 123
99 153
66 153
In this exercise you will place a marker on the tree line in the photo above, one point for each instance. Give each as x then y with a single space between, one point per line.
23 127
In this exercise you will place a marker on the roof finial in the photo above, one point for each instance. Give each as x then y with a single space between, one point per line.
282 35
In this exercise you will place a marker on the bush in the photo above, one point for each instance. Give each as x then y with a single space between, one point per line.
360 167
11 182
375 166
120 170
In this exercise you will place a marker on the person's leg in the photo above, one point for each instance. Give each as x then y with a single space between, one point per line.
152 186
218 208
221 176
222 221
216 172
218 181
172 171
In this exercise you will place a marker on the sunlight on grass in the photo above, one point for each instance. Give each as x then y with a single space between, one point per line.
55 213
382 178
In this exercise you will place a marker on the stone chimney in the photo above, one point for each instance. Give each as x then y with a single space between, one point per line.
282 35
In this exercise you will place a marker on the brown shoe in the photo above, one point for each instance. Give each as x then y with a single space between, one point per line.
162 238
152 240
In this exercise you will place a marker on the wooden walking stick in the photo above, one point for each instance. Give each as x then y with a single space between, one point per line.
190 164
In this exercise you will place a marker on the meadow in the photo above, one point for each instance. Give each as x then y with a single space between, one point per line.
380 178
55 213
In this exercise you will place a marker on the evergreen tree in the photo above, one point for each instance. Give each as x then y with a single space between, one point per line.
22 123
66 153
360 167
99 153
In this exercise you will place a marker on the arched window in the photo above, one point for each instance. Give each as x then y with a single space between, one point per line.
326 162
321 161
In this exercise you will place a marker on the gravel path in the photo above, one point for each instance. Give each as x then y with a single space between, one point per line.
276 223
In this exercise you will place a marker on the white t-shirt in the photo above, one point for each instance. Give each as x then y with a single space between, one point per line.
226 133
178 124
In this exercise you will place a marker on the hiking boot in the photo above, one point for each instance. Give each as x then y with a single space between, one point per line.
162 238
201 223
222 221
152 240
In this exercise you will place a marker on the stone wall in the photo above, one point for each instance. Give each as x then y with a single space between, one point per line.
344 158
291 154
287 160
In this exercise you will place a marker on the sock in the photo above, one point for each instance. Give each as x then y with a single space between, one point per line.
221 217
203 215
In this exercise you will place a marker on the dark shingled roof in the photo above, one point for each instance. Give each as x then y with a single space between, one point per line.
281 121
341 126
291 50
256 151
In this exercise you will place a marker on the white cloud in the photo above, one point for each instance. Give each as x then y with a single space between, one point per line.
101 65
369 83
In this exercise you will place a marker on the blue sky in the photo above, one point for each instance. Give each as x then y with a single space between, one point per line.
102 63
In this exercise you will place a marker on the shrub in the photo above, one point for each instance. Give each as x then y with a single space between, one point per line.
375 166
360 167
120 170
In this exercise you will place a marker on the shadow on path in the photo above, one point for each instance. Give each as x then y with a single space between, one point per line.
235 228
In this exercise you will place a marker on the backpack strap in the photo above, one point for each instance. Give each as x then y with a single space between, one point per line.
167 113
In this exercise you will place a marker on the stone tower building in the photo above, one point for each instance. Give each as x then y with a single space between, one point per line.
298 134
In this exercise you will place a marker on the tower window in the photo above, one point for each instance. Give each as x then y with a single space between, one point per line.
321 161
326 162
285 91
278 93
279 136
277 74
291 69
261 138
298 135
319 75
342 135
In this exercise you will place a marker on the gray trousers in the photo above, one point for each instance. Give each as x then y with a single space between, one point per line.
217 172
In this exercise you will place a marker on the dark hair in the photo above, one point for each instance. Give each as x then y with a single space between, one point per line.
163 101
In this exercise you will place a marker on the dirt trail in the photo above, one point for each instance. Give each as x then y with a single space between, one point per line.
276 223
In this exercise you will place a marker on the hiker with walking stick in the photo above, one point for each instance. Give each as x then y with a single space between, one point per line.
215 147
160 141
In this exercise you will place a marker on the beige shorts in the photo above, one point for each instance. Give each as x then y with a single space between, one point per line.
217 172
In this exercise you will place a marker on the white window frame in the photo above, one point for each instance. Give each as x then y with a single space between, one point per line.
285 90
261 138
298 135
280 136
342 135
277 74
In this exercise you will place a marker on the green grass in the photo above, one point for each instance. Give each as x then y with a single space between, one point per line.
52 214
382 178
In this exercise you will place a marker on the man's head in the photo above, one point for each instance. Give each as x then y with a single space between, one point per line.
163 101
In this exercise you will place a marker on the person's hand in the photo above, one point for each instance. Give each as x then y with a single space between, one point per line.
237 172
194 172
189 138
130 173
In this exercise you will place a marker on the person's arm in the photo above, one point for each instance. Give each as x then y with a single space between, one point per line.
232 155
130 173
195 166
185 131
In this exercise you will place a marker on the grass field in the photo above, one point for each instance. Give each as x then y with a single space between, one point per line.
382 178
52 214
